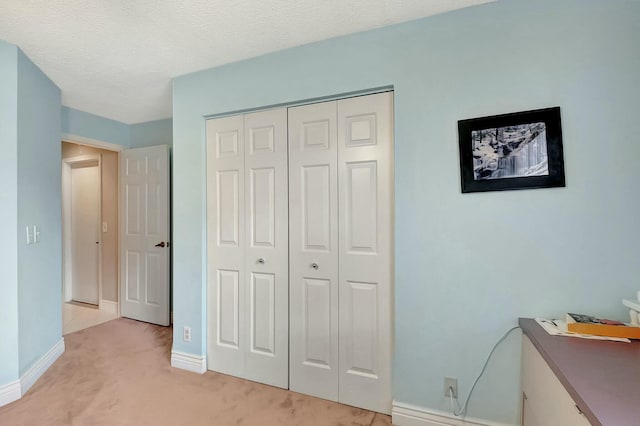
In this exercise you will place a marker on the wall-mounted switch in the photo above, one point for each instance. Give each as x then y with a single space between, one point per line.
36 234
28 235
104 226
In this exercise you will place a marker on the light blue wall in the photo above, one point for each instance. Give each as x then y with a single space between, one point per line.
31 126
159 132
8 214
467 265
39 195
80 123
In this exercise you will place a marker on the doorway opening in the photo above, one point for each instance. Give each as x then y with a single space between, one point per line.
90 236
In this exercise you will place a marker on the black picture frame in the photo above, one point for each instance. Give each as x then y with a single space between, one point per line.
521 150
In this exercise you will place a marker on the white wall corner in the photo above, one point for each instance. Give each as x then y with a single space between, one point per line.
31 376
109 306
403 414
10 392
189 362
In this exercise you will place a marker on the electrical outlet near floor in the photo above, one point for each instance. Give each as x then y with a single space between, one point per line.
186 334
451 387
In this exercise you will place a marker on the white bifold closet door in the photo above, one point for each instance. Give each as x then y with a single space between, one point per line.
341 236
247 246
313 245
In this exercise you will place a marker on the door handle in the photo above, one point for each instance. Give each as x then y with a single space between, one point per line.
160 244
261 261
315 266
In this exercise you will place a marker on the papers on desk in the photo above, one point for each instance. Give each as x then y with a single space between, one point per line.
559 328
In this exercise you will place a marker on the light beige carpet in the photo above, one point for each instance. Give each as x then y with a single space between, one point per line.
119 373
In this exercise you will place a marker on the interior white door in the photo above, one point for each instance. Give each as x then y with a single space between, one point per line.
313 246
365 173
247 246
144 236
85 232
267 248
225 245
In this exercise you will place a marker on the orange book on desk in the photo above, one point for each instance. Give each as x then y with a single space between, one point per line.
586 324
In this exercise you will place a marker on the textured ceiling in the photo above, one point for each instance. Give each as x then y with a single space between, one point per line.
116 58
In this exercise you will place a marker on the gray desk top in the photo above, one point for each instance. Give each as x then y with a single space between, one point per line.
602 377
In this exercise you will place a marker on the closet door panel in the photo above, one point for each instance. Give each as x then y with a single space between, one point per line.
365 154
266 248
263 210
361 228
313 255
263 330
228 207
361 323
228 332
225 245
316 312
316 207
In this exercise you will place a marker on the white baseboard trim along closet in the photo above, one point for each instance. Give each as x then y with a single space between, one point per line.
189 362
403 414
15 390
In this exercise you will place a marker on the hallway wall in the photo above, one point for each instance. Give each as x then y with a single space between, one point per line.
38 204
8 214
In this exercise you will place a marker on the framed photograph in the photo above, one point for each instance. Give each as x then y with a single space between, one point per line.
521 150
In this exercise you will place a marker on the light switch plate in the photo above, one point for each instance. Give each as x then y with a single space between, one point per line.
104 226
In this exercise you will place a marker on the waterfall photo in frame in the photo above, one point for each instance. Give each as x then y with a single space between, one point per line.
520 150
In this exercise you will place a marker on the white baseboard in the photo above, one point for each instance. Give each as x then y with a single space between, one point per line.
109 306
31 376
10 392
15 390
189 362
403 414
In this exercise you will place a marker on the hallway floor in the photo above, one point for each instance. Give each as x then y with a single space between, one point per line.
78 316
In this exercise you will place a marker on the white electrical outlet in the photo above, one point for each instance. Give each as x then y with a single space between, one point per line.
186 334
451 387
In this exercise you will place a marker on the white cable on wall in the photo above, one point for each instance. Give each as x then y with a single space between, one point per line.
462 410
